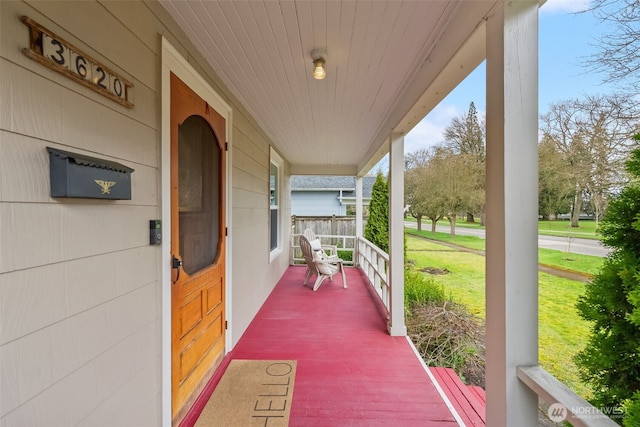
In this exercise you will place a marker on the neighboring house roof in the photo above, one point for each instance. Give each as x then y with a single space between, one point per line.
332 183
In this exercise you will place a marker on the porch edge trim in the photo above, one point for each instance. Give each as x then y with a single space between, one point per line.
447 402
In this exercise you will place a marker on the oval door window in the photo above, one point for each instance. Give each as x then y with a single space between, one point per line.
198 194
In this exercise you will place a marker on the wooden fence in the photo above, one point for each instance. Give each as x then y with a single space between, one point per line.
326 225
332 230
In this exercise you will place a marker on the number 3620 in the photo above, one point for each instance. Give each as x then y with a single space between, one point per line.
62 55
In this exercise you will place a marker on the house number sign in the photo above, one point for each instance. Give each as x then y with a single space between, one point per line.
54 52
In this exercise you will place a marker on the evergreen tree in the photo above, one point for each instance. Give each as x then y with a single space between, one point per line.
377 228
465 136
610 361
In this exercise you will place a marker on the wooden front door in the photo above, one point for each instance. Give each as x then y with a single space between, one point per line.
197 244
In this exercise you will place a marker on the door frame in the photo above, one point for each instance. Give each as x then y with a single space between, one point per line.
173 62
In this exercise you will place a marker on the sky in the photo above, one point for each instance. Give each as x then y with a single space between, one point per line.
566 38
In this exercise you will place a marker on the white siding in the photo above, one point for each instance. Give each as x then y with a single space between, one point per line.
80 287
250 231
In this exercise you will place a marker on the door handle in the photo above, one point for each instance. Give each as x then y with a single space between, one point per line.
176 263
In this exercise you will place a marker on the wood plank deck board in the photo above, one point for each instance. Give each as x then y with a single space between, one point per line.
465 401
350 372
479 393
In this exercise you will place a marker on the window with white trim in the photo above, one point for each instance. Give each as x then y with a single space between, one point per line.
275 179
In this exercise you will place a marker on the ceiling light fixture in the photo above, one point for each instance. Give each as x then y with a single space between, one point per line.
319 57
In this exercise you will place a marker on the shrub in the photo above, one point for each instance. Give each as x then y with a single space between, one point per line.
377 228
610 361
418 289
447 335
633 412
345 255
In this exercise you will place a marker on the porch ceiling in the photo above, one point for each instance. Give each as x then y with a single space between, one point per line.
389 63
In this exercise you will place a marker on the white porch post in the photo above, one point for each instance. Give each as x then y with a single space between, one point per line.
359 218
512 212
396 324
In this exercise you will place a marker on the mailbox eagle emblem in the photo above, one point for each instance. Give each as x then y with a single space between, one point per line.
105 185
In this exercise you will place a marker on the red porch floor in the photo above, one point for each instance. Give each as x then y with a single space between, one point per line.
350 372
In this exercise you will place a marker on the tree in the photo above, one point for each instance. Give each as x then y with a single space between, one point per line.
618 57
452 185
414 198
443 183
377 228
466 135
554 185
421 188
610 361
592 135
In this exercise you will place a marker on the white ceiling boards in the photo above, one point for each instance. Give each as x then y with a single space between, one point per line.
382 56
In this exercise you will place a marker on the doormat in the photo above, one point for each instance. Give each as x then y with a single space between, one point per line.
251 393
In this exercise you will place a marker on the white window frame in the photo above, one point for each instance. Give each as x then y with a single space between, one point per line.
276 160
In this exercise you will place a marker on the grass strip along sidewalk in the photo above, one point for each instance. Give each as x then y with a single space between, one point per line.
585 265
585 230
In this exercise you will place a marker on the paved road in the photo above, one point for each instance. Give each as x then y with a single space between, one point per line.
576 245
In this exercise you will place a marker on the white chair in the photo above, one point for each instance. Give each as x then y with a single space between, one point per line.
311 237
320 264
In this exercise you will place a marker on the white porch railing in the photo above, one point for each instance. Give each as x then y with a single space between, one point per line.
374 262
343 243
572 407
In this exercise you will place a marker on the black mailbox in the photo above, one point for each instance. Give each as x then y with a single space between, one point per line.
77 175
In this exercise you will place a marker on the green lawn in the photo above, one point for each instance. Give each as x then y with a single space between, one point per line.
569 261
564 260
471 242
561 332
586 229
